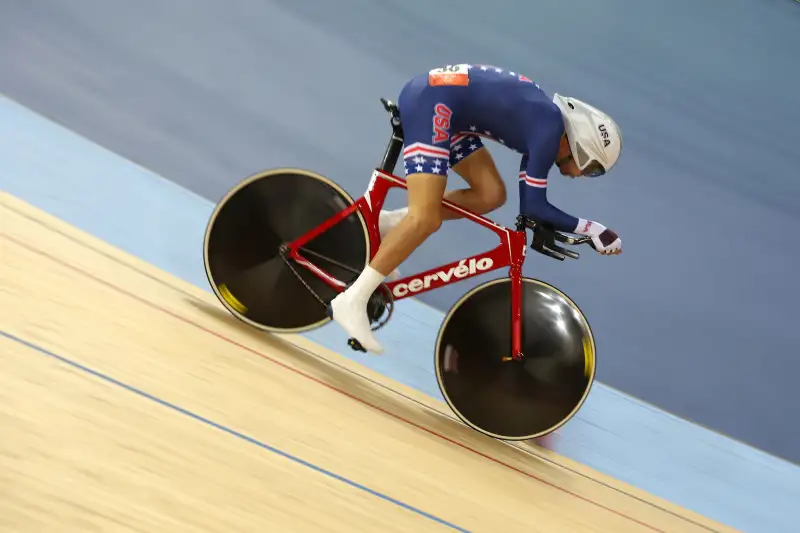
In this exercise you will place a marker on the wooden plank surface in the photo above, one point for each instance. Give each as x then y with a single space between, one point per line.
130 401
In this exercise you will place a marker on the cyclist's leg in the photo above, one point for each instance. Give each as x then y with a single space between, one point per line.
427 115
470 159
473 162
423 217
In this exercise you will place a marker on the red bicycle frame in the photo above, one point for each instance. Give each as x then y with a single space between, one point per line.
509 253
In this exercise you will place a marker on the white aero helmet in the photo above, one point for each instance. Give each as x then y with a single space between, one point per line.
594 137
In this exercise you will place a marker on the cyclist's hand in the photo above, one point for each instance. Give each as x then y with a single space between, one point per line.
607 243
604 240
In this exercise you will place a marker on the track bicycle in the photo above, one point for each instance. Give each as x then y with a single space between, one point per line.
514 357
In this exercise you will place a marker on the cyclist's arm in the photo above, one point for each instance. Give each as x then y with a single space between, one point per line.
543 145
534 204
534 167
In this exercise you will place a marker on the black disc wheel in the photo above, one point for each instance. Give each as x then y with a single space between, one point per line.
515 400
244 237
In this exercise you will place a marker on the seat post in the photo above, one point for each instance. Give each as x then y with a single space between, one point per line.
395 145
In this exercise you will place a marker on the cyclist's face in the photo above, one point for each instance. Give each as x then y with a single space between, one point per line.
565 162
569 168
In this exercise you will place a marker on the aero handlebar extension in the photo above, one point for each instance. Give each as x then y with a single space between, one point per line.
545 237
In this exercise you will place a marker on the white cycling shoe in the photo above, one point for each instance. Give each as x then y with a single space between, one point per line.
349 309
351 315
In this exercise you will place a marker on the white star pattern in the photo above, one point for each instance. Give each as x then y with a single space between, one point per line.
425 158
459 156
472 147
498 70
473 128
484 68
501 141
487 132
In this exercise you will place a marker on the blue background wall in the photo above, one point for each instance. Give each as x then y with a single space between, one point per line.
696 316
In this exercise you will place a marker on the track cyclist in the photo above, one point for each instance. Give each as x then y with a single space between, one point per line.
445 113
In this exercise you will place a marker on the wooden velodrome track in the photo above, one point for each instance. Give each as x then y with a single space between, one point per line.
131 401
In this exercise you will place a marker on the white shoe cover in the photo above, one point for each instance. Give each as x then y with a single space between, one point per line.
354 320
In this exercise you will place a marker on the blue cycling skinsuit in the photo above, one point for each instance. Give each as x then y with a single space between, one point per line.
447 111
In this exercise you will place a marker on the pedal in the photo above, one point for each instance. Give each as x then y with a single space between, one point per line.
355 345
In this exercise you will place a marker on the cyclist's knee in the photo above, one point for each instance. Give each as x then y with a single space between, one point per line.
490 197
424 221
494 196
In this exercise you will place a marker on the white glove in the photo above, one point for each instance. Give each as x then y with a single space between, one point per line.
604 240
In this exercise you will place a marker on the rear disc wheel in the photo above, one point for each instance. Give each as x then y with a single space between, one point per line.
242 248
